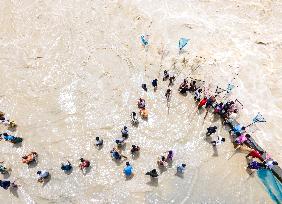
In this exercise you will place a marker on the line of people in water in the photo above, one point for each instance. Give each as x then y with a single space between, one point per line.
228 111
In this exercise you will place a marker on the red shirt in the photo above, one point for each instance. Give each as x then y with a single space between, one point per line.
255 154
202 102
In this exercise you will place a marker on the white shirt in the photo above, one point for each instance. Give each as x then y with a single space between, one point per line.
43 174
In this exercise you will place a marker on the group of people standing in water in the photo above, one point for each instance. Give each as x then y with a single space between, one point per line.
228 112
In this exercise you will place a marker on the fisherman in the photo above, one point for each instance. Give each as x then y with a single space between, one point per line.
239 129
168 94
166 75
84 164
255 154
4 119
134 119
124 132
153 173
116 154
180 168
255 165
135 149
171 78
211 130
270 164
144 86
5 184
128 170
231 117
3 169
11 138
202 102
241 138
42 175
183 88
169 156
192 87
141 103
12 124
155 84
120 141
66 167
210 101
197 94
144 113
219 141
29 158
99 142
218 108
162 162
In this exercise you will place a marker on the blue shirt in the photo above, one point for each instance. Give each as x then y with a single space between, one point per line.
127 170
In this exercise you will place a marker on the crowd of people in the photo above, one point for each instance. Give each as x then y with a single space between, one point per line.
227 110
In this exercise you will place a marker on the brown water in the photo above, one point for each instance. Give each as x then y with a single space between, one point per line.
72 70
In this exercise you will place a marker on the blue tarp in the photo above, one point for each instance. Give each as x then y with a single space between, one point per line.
183 42
272 185
144 40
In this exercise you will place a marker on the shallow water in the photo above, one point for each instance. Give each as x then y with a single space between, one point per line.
72 70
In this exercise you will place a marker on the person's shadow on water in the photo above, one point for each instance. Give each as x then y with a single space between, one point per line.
86 170
180 175
153 182
14 191
32 164
215 152
135 155
46 180
17 145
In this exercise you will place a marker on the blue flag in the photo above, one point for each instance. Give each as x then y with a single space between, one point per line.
229 88
183 42
144 40
259 118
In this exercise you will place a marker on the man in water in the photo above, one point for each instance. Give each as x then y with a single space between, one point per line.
255 165
219 141
128 170
120 141
180 168
66 167
197 94
171 78
5 184
183 88
116 154
255 154
162 162
84 164
202 102
169 156
141 103
153 173
166 75
99 142
135 149
31 157
211 130
42 175
124 132
134 119
270 164
168 94
155 84
144 86
192 87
